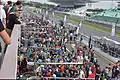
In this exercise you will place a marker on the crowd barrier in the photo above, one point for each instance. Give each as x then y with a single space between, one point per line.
2 44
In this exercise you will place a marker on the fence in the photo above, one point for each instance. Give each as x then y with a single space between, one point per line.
104 44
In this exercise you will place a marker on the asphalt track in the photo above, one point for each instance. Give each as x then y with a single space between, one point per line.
91 31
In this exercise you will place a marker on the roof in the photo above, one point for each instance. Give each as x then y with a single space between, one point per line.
110 13
71 2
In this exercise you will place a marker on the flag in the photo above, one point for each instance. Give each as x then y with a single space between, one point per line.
40 10
79 27
80 24
65 19
46 12
28 54
77 30
53 14
113 30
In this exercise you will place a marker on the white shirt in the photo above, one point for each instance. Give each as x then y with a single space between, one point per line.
71 34
81 74
2 13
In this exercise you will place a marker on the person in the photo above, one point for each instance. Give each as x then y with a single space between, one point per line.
7 8
13 17
2 15
4 34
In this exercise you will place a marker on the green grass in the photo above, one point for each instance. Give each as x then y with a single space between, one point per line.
100 29
59 17
91 25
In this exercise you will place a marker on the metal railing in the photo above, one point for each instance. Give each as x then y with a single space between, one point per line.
102 45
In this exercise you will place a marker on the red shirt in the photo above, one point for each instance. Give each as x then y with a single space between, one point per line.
78 48
62 68
48 74
79 54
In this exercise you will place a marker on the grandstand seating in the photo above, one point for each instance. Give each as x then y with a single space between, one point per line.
112 16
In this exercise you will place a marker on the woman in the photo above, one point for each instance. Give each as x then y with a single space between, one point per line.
4 34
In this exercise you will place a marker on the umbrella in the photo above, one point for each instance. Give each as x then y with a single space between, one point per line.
57 47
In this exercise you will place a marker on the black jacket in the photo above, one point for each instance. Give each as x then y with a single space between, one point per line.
12 20
1 26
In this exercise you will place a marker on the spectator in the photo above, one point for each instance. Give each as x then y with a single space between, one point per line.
4 34
7 7
82 74
13 17
2 15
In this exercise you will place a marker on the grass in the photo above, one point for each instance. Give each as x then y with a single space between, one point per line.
91 25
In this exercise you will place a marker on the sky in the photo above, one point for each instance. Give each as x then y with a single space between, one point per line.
10 0
104 3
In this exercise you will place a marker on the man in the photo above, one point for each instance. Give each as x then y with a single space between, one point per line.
2 15
13 17
7 7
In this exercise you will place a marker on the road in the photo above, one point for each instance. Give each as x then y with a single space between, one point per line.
93 32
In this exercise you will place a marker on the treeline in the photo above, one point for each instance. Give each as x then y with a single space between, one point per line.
39 5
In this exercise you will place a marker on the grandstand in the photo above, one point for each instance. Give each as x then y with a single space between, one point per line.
111 15
43 49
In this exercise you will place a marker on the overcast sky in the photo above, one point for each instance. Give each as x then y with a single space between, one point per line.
104 4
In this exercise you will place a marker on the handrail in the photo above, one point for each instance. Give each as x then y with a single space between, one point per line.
68 78
9 66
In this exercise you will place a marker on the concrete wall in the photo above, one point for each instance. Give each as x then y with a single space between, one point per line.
9 66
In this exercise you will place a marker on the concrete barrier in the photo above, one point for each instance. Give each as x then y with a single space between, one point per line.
2 52
9 66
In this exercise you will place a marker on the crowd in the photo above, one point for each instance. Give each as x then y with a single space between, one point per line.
53 49
55 53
